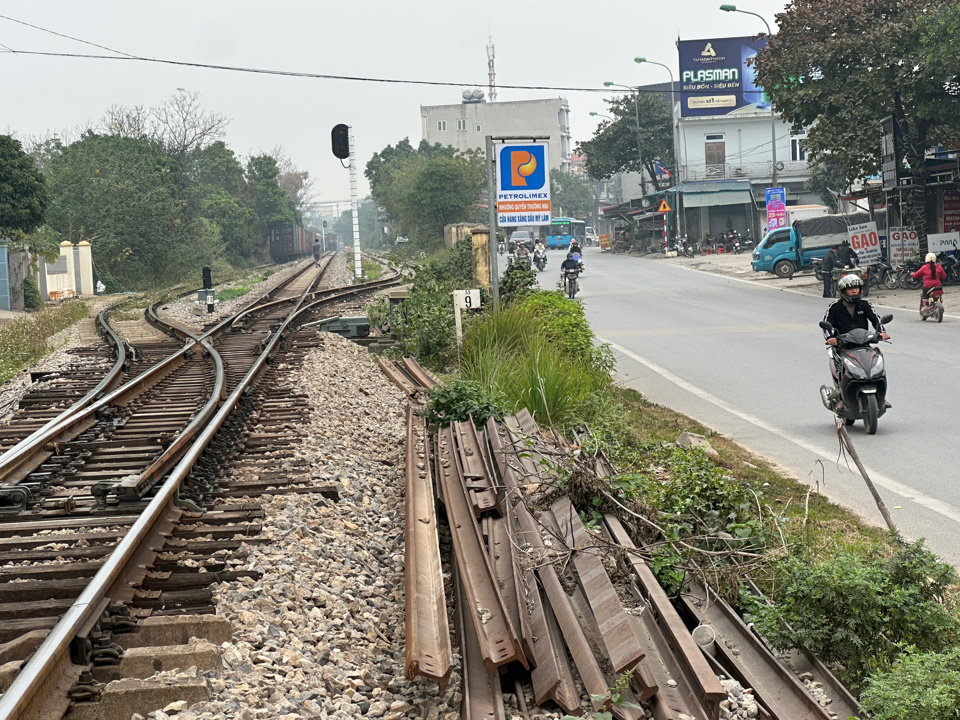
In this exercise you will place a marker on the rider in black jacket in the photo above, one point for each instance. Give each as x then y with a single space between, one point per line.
851 311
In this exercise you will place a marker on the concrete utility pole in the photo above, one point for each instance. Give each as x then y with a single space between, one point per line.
636 109
675 180
492 217
355 207
773 115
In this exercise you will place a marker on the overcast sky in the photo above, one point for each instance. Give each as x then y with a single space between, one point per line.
556 43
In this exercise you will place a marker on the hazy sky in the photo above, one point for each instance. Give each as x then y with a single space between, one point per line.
556 43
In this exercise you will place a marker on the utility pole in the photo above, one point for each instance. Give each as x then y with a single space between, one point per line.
492 218
355 206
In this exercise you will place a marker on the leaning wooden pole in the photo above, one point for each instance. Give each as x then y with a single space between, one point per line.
881 506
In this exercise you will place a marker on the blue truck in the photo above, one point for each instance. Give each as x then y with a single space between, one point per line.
788 250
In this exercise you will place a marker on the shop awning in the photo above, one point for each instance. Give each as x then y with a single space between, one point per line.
709 193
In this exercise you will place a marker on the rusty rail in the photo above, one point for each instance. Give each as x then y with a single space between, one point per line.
428 650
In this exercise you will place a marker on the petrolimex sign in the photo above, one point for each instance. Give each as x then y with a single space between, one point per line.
523 185
715 78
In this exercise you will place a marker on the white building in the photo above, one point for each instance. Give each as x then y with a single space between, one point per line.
466 125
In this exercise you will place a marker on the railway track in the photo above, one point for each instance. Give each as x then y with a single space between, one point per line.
117 497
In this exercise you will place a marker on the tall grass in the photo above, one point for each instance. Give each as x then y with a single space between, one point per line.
511 355
24 341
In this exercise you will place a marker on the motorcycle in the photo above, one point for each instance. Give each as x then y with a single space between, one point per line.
570 282
839 273
686 247
736 244
747 241
500 248
540 259
932 305
818 268
905 276
859 389
884 275
951 267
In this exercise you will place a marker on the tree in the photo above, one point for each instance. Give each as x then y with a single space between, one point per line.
217 165
23 192
838 69
940 40
121 194
424 189
371 233
268 201
618 146
237 223
571 194
825 175
182 128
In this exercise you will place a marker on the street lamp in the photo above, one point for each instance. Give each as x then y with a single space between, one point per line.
673 103
636 107
773 115
596 114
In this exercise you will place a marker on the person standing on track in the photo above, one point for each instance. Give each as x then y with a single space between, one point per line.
317 249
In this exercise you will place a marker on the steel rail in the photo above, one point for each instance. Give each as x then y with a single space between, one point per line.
39 673
111 375
428 649
16 457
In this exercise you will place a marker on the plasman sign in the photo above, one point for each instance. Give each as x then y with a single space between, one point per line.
865 242
523 185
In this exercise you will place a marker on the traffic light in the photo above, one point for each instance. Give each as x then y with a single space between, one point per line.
341 141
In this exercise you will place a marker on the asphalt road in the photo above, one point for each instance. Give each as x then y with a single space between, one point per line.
747 360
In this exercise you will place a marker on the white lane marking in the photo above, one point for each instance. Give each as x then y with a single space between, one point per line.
931 503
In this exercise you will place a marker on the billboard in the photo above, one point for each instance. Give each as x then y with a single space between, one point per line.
523 185
715 78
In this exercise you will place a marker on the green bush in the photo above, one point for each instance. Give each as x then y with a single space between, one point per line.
921 685
232 293
564 323
31 294
862 612
517 282
461 400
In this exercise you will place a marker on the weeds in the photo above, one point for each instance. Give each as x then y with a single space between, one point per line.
25 341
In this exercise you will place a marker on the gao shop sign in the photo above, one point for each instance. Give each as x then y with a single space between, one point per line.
865 242
716 79
523 185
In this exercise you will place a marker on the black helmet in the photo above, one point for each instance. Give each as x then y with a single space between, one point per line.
569 256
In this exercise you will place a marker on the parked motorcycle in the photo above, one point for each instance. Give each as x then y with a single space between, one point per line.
859 389
951 267
932 305
686 247
883 275
905 276
570 282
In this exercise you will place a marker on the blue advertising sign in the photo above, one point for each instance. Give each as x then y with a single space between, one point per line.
523 185
715 78
776 208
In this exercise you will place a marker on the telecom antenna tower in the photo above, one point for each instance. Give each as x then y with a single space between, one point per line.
491 73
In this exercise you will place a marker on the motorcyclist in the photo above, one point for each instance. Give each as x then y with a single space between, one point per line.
575 248
850 311
522 253
846 256
539 247
571 263
932 274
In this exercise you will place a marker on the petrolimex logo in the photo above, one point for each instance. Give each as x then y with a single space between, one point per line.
523 185
523 167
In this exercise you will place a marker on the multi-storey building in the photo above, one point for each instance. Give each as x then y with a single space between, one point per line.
466 125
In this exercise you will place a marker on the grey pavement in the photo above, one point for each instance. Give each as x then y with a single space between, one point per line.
743 355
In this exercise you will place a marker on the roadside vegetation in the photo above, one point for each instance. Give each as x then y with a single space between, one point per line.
880 611
26 340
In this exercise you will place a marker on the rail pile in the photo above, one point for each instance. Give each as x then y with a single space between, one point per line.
549 609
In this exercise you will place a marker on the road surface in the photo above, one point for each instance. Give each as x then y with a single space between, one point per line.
748 359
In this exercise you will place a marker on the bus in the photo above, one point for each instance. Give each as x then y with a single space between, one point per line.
563 230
